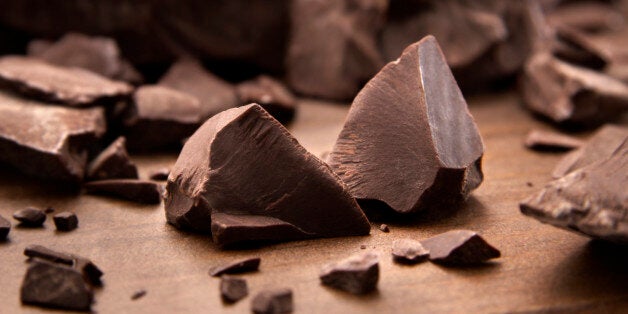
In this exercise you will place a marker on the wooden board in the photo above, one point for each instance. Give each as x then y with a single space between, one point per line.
543 269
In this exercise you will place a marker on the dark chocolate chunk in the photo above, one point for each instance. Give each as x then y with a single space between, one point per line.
161 117
5 228
590 16
409 140
214 94
547 140
273 301
138 294
55 286
269 93
65 221
333 48
160 174
246 171
459 247
384 228
140 191
112 163
357 274
30 217
592 200
408 251
233 289
69 86
237 267
54 146
90 271
575 47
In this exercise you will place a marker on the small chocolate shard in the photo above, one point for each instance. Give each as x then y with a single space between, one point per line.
140 191
233 289
237 267
160 174
5 228
271 94
138 294
384 228
408 251
357 274
112 163
65 221
70 86
551 141
30 217
411 112
362 247
91 272
458 248
273 301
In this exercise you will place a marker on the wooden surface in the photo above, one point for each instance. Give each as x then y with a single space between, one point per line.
542 268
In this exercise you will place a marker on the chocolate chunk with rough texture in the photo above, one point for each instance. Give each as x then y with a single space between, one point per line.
140 191
459 247
30 217
333 48
5 228
271 94
160 174
357 274
65 221
273 301
547 140
54 146
409 140
242 170
592 200
569 94
214 94
138 294
112 163
408 251
384 228
233 289
91 272
69 86
236 267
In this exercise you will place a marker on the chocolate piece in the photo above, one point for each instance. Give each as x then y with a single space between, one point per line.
69 86
157 108
49 210
408 251
160 174
5 228
592 200
55 286
269 93
273 301
65 221
569 94
54 146
214 94
600 146
413 113
138 294
236 267
140 191
459 247
547 140
233 289
333 46
244 169
112 163
590 16
91 272
357 274
362 247
384 228
30 217
576 48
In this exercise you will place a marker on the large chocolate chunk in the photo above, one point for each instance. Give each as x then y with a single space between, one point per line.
246 171
5 228
408 251
140 191
592 200
409 140
269 93
547 140
357 274
237 267
69 86
459 247
54 143
333 46
112 163
233 289
91 272
273 301
30 217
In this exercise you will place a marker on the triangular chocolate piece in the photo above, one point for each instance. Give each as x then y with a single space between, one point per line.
113 163
245 170
409 140
459 247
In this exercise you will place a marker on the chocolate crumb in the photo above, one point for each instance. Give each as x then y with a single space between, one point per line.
408 251
138 294
65 221
273 301
459 247
233 289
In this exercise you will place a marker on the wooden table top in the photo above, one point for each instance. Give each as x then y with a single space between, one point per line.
542 268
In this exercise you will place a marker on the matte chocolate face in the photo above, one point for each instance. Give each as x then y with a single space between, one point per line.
271 94
65 221
459 247
112 163
30 217
357 274
233 289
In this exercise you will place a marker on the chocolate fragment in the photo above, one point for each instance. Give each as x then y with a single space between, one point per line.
459 247
65 221
5 228
229 170
70 86
384 228
49 210
362 247
90 271
237 267
160 174
273 301
140 191
138 294
577 48
233 289
30 217
271 94
408 251
411 112
547 140
113 163
357 274
589 16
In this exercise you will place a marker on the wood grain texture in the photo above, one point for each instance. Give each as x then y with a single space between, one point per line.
542 268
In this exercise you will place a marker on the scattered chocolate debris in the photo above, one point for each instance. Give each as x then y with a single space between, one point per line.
273 301
30 217
5 228
231 162
138 294
140 191
65 221
547 140
90 271
408 251
589 16
233 289
49 210
459 247
362 247
576 48
411 112
112 163
384 228
269 93
237 267
160 174
357 274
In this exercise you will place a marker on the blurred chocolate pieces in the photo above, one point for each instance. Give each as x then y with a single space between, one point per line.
30 217
65 221
90 271
459 248
5 228
408 251
271 94
551 141
160 174
357 274
139 191
237 267
233 289
112 163
588 16
273 301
